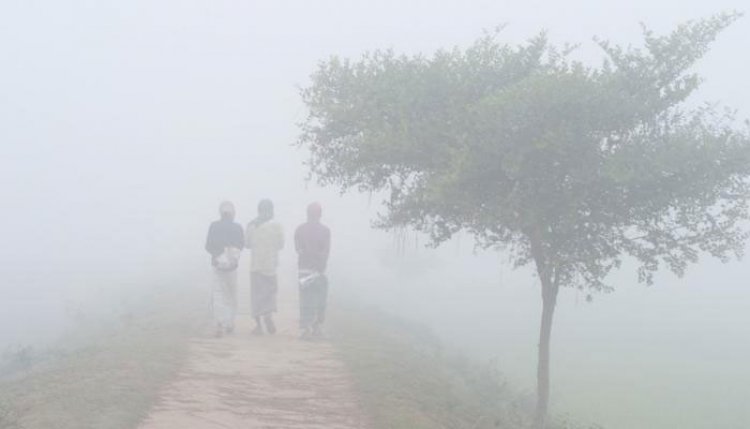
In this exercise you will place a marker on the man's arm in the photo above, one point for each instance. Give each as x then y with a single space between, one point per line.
297 240
212 246
326 247
238 238
210 240
279 236
249 236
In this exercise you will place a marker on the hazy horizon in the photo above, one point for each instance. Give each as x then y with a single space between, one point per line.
124 124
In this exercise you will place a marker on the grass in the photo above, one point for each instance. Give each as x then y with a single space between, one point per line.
408 381
108 382
405 377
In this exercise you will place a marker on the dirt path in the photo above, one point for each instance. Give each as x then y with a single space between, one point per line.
247 382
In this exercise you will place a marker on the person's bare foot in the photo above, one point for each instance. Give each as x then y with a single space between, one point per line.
305 335
219 331
270 326
317 332
257 331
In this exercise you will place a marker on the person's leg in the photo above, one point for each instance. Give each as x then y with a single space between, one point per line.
272 290
322 302
216 301
270 325
306 306
258 330
221 301
321 296
232 300
255 300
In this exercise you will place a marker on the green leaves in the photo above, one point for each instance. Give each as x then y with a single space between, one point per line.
510 142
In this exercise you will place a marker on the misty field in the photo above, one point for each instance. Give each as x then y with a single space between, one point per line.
669 356
102 374
623 369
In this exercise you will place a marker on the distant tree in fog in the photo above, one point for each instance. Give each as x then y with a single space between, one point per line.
566 166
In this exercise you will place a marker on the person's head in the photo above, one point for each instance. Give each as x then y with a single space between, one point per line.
226 210
265 209
314 212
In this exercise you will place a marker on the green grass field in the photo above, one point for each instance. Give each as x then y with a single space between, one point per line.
104 377
408 381
112 375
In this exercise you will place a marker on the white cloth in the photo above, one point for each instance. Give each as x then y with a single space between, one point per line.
224 297
308 277
229 259
224 288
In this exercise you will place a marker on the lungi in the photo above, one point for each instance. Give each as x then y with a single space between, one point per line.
263 289
224 297
313 295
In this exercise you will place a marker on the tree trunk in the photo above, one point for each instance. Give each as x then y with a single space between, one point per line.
549 299
548 278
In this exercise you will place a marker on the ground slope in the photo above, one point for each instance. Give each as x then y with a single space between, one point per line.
250 382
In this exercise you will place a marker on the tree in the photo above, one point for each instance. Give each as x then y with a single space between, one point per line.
569 167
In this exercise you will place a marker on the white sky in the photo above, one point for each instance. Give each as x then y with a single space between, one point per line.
123 124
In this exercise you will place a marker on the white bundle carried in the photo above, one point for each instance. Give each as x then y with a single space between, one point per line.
228 260
308 278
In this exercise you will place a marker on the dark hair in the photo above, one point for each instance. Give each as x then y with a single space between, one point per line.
314 211
265 207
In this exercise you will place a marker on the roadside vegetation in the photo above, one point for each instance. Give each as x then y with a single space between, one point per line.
408 380
101 377
109 377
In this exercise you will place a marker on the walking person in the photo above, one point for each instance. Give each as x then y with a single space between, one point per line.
312 240
224 243
265 238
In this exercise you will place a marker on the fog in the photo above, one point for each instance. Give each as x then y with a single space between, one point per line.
124 124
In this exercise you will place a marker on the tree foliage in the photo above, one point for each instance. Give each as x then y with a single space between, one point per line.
568 165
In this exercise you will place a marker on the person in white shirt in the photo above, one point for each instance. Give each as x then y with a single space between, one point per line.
265 238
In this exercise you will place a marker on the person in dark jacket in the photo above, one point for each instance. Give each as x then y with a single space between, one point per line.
312 241
224 243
